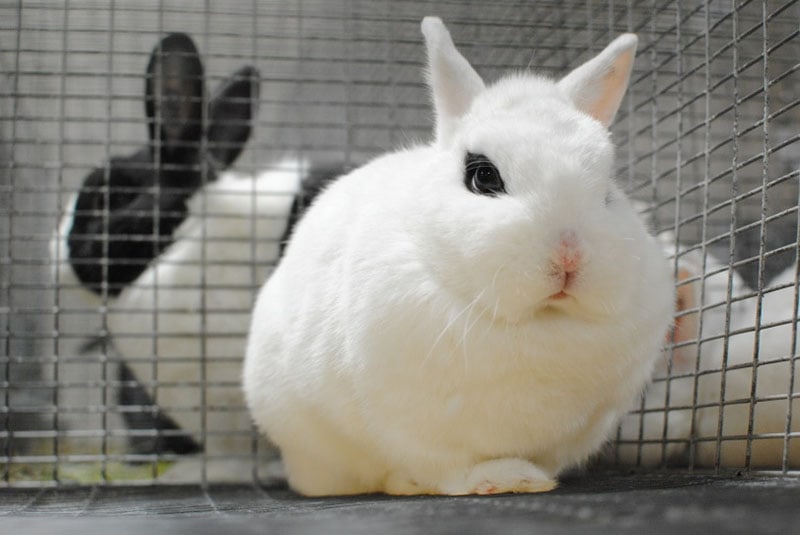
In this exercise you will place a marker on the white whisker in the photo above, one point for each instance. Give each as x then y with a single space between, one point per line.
465 333
450 325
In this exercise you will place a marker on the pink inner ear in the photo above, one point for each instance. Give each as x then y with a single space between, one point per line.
453 81
603 109
612 88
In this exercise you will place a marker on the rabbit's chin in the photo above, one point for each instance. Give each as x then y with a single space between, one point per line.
565 306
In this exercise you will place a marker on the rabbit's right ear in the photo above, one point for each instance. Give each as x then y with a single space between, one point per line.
597 86
174 96
453 81
230 113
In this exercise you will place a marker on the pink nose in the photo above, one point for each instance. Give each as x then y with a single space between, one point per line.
568 256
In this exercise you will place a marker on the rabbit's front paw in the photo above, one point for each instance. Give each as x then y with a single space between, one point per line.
500 476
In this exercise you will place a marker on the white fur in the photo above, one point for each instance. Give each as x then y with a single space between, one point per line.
407 344
771 348
661 427
669 402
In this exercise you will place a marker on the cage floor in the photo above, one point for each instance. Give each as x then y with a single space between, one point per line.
599 503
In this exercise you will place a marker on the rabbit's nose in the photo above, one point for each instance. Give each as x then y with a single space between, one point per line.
568 256
566 262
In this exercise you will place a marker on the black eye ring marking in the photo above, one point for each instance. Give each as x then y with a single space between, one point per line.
482 177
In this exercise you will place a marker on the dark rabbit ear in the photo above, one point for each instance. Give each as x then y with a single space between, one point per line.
174 95
230 113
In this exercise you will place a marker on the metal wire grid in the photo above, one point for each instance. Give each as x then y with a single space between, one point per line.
720 145
706 137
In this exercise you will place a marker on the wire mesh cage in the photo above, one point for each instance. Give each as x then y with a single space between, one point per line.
135 378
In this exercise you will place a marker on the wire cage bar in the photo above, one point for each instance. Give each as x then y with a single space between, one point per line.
96 392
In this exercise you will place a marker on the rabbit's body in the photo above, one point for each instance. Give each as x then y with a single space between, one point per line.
127 211
772 348
665 431
441 363
168 250
660 430
424 336
183 322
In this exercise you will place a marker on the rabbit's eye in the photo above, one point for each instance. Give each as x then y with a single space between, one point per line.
482 177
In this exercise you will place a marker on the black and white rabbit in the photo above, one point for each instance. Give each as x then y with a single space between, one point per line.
173 248
474 315
127 210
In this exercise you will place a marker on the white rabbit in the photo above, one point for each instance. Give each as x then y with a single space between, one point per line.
769 341
660 429
470 316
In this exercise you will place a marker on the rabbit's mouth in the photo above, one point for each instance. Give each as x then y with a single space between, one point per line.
567 304
561 302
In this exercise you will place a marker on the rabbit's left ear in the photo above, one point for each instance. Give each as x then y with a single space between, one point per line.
175 96
453 81
597 86
230 115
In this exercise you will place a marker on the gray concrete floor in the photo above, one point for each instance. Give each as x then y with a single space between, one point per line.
653 503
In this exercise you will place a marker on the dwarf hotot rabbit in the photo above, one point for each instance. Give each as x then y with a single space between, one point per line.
469 316
176 249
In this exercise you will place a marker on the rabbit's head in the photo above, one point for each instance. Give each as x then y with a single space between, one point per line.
521 212
127 209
